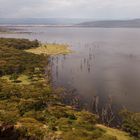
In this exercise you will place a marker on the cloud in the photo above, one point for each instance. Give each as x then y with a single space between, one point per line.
98 9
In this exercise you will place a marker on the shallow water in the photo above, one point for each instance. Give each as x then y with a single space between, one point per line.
105 62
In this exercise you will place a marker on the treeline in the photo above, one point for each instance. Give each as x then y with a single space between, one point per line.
20 44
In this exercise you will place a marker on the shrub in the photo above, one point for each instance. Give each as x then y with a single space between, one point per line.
131 122
20 44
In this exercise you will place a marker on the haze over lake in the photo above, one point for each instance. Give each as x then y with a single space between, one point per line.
105 62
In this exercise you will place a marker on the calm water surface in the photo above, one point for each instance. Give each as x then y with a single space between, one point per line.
105 62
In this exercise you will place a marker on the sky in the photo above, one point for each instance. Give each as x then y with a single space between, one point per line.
95 9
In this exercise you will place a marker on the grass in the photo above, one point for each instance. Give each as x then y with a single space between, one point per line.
24 79
50 49
120 135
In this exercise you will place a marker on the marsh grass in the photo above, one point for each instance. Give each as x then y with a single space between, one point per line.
50 49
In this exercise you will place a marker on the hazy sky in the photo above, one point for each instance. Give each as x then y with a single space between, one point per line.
96 9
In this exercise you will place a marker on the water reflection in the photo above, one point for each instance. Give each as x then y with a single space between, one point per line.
103 79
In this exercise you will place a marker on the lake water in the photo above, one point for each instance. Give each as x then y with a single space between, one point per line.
105 63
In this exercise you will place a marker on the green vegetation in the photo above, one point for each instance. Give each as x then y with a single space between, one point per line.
20 44
50 49
31 109
19 62
120 135
35 111
19 79
131 123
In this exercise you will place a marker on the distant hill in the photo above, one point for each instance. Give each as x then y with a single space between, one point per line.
41 21
112 24
75 22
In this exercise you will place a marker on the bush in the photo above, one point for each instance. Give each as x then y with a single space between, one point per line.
20 44
131 123
14 62
29 127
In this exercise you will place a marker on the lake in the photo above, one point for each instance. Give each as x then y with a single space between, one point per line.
103 68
